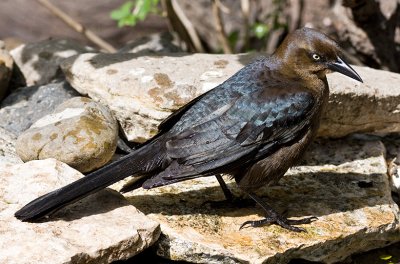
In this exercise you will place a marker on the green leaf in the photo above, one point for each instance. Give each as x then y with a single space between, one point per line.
123 11
131 12
127 21
385 257
260 30
233 38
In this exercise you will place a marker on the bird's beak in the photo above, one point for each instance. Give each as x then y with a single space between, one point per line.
341 66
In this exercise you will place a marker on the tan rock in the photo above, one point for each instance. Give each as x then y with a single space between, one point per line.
99 229
143 91
80 132
343 183
373 106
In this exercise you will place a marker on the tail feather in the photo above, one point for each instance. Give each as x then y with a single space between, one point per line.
131 164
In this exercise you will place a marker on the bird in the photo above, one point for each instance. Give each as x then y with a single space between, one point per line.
254 126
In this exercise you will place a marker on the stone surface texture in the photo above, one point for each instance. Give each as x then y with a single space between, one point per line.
27 104
80 132
143 90
99 229
39 62
342 182
372 106
6 68
8 155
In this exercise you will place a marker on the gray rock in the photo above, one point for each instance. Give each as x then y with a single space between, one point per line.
101 228
80 132
7 148
143 91
343 182
39 62
6 68
151 44
27 104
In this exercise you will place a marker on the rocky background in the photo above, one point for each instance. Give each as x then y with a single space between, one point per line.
67 109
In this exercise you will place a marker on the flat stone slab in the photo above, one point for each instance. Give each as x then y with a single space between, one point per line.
101 228
142 91
343 182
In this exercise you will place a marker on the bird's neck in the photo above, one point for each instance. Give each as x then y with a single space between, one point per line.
314 81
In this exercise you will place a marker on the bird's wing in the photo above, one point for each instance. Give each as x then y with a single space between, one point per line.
170 121
235 131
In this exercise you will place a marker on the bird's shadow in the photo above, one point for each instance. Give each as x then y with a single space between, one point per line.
99 203
320 194
300 193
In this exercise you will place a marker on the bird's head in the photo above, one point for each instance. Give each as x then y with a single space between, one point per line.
307 51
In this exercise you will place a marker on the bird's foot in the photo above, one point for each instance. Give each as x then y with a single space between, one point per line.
281 221
274 217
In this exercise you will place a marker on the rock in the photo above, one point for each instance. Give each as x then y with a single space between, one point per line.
27 104
99 229
7 148
143 91
392 144
342 182
151 44
369 107
80 132
6 68
39 62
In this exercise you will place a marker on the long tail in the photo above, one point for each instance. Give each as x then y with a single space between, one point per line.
142 161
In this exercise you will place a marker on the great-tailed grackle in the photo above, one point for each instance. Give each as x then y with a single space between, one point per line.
253 126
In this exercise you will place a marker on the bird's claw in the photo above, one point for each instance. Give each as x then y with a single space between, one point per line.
283 222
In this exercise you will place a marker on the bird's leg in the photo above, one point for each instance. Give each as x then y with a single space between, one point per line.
228 194
272 217
230 199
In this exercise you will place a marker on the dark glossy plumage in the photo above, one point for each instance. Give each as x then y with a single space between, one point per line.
254 126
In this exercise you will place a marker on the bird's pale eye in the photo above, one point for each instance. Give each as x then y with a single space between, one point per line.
316 57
